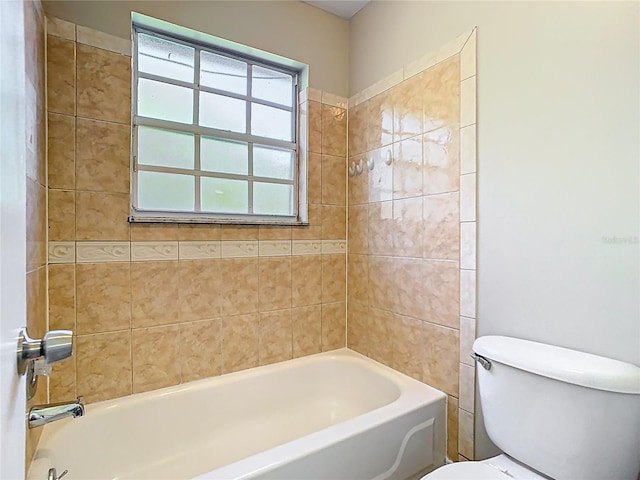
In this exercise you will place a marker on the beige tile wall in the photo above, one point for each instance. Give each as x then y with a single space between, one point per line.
411 262
36 189
157 305
217 299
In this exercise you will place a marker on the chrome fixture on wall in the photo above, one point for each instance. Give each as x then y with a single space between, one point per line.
55 346
43 414
34 356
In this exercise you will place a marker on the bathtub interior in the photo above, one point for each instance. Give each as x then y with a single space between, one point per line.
185 431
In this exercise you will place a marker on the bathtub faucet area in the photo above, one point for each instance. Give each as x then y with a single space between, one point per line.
42 414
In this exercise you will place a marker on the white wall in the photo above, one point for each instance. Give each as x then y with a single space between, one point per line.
292 29
558 150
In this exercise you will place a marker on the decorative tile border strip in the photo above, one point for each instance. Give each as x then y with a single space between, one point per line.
307 247
95 252
275 248
101 252
153 251
62 252
199 250
334 246
244 249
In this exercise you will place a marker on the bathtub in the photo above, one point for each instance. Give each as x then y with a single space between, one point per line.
334 415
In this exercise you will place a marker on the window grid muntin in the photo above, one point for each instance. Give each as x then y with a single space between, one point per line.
247 117
212 132
199 130
207 173
195 119
204 88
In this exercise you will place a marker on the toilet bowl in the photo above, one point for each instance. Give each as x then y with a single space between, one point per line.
501 467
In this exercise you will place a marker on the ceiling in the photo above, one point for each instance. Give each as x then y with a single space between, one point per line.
342 8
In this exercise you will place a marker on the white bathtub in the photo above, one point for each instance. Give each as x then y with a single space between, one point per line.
335 415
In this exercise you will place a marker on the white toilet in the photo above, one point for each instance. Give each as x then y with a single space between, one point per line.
555 413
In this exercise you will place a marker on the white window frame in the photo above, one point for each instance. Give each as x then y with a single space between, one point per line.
197 216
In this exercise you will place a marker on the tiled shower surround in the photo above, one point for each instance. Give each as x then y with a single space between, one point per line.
157 305
411 227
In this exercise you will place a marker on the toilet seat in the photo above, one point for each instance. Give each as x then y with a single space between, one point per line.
500 467
467 471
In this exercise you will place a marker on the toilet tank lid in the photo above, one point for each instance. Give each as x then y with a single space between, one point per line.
560 363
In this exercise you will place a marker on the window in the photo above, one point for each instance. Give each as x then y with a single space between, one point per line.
215 137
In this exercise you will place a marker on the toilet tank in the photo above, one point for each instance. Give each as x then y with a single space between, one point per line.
567 414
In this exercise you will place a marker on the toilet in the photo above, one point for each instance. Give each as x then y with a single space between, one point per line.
555 413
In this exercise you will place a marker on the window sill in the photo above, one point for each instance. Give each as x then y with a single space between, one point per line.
210 220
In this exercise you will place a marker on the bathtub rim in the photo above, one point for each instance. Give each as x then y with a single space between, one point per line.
411 397
400 379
